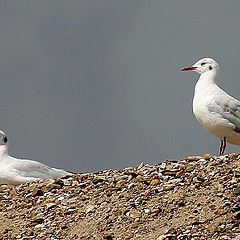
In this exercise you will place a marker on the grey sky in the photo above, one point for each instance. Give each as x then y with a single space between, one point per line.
96 84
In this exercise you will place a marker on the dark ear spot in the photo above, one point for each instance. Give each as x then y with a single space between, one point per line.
5 139
210 68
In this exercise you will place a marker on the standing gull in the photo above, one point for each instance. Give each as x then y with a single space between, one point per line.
16 171
216 111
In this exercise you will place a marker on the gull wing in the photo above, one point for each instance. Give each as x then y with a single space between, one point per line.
32 169
228 108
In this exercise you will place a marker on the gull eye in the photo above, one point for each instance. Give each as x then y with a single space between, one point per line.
5 139
202 64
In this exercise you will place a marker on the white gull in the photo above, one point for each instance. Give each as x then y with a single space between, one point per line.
16 171
216 111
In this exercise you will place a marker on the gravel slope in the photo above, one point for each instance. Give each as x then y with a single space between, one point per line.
193 198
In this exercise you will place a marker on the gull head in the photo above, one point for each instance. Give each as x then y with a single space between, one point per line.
203 65
3 138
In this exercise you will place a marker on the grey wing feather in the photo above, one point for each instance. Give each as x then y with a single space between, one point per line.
229 109
28 168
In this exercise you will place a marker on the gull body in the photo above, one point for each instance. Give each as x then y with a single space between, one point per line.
16 171
216 110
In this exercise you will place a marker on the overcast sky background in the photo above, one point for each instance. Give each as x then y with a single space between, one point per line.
96 84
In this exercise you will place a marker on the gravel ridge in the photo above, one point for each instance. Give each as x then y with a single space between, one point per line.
196 197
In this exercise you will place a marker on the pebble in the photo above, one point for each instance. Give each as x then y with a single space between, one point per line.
135 214
163 165
146 210
155 182
236 191
162 237
222 158
39 226
202 161
89 208
168 187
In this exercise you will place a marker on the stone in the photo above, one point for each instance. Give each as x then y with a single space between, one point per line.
89 208
50 205
147 210
237 173
135 214
155 182
162 237
140 165
237 215
37 192
202 161
66 182
37 221
222 158
155 211
163 165
180 174
168 187
207 156
193 158
108 235
39 226
236 191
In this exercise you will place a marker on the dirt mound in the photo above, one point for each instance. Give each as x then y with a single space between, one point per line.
192 198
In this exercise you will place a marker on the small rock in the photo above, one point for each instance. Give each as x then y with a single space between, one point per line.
155 182
72 200
168 187
207 156
37 192
222 158
163 165
236 191
130 185
180 174
237 215
237 173
37 221
190 167
146 210
162 237
135 214
170 172
103 205
50 205
140 165
193 158
155 211
60 198
39 226
108 235
66 182
70 211
202 161
89 208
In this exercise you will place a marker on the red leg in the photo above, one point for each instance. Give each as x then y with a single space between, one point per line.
223 146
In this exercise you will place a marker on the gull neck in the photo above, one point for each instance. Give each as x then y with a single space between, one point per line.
3 150
209 77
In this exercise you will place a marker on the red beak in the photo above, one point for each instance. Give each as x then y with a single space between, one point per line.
188 68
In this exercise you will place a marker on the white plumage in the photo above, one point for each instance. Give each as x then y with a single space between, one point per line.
16 171
217 111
